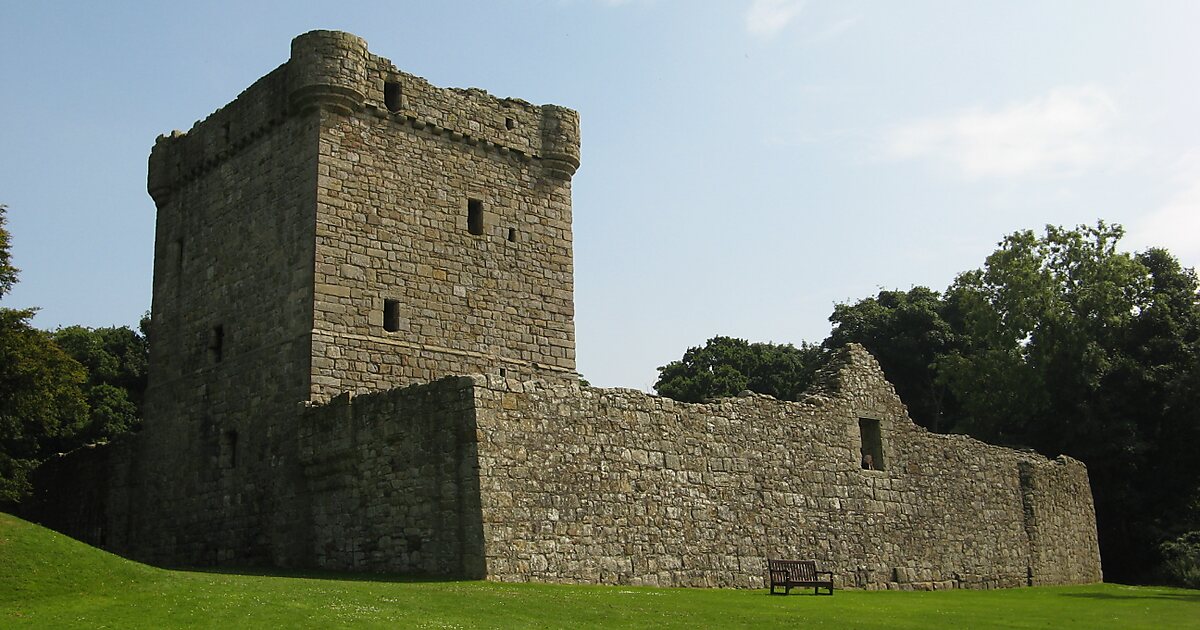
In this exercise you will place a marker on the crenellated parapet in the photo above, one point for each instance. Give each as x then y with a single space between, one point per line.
333 72
180 157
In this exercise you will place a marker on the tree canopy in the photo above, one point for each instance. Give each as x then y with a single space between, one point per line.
1072 346
8 273
60 390
907 332
726 366
41 401
116 360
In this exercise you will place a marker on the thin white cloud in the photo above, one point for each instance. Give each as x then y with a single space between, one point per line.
766 18
834 30
1176 224
1062 133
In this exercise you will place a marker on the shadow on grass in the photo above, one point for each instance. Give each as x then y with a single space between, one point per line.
320 574
1177 596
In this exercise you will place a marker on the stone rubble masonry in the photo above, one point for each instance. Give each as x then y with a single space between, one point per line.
614 486
341 243
392 481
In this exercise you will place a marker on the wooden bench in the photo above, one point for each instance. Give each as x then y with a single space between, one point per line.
789 573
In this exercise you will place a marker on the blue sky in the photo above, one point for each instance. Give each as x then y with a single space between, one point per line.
747 164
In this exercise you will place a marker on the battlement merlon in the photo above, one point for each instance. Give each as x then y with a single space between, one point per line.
334 72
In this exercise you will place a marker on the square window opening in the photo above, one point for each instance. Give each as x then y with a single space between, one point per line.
510 123
872 444
475 216
391 315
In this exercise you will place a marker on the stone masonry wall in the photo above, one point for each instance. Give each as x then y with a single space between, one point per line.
614 486
285 220
392 481
534 481
230 338
86 493
1058 498
396 182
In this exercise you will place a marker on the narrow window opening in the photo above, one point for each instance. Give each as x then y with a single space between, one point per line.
391 315
391 96
510 123
475 216
503 373
179 255
512 235
229 440
872 444
225 132
216 343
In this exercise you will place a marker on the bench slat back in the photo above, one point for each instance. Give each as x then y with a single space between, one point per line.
797 570
803 571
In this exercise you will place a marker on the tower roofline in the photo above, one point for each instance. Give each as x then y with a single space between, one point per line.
335 72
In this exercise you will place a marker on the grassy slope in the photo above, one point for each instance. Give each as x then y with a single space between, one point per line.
48 580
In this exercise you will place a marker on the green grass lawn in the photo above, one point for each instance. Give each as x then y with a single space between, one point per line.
49 580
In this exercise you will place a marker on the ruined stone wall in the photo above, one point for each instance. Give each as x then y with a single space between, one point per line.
1058 499
392 481
85 493
395 187
534 481
614 486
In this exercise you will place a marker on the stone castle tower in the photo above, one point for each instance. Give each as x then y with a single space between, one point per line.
343 226
363 359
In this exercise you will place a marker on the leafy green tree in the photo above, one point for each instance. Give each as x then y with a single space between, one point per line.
1151 395
1063 343
8 273
116 361
726 366
41 401
63 389
1042 320
1182 559
907 332
1069 345
40 396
